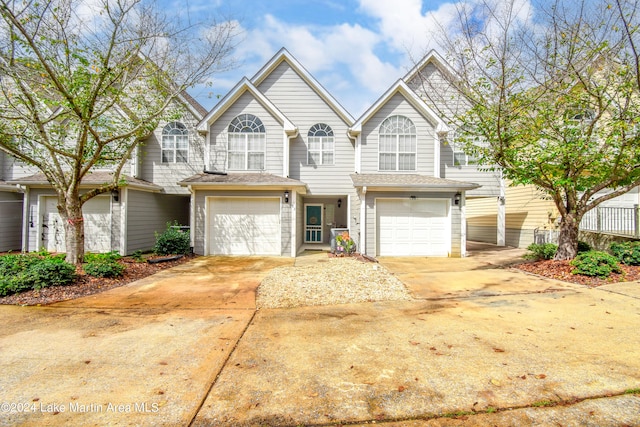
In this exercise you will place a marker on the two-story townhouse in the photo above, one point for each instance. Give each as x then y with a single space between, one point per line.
287 164
124 220
278 166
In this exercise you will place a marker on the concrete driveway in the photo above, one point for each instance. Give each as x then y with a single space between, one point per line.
479 345
142 354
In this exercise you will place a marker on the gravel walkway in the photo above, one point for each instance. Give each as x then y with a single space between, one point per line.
329 281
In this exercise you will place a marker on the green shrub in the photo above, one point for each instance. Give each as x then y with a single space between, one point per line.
52 272
626 252
105 257
23 272
583 246
137 256
541 251
172 241
595 263
104 269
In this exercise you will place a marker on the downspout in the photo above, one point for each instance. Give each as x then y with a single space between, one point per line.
286 155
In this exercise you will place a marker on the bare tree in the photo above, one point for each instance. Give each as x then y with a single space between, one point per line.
82 82
551 97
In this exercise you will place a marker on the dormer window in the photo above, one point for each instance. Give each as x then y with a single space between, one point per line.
397 144
247 143
320 145
175 143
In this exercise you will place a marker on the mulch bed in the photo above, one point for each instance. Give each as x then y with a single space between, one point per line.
561 270
87 285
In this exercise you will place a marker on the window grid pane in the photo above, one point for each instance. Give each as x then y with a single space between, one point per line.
397 144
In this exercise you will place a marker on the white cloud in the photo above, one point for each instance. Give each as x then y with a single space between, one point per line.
341 57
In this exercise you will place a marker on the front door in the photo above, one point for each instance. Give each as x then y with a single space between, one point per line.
313 223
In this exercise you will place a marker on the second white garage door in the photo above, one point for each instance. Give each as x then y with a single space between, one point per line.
408 227
244 226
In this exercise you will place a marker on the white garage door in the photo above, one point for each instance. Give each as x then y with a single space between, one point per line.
97 225
244 226
408 227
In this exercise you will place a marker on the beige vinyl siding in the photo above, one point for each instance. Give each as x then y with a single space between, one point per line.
301 104
455 215
148 213
526 210
246 104
10 221
398 105
168 175
201 217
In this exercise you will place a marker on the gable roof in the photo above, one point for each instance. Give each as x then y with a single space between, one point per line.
283 55
399 87
243 86
196 108
431 57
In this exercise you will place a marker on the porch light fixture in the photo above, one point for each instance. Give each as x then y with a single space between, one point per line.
339 202
456 198
286 196
115 194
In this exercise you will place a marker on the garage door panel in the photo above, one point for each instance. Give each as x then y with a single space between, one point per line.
239 226
96 213
413 227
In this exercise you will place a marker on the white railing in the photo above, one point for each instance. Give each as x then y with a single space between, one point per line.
610 220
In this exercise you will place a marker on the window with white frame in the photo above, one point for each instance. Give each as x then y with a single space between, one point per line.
175 143
320 145
397 144
460 158
247 143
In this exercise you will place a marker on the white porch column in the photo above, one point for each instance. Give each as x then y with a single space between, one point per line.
294 228
502 214
463 225
363 220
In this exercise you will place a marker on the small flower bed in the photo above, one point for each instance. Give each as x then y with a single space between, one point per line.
345 244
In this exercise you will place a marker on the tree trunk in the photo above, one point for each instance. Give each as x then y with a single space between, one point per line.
568 239
74 230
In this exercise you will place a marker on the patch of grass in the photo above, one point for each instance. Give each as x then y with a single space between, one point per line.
632 391
458 414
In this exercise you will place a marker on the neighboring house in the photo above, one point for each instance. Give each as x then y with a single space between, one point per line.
288 167
125 220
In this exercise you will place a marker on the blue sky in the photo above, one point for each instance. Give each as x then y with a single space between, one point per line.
355 48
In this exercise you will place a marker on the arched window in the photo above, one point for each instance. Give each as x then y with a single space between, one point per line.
175 143
397 144
247 143
321 145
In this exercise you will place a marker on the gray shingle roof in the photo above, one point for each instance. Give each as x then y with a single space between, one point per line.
409 181
95 178
241 179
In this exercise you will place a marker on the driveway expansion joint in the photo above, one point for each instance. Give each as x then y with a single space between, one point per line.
222 367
